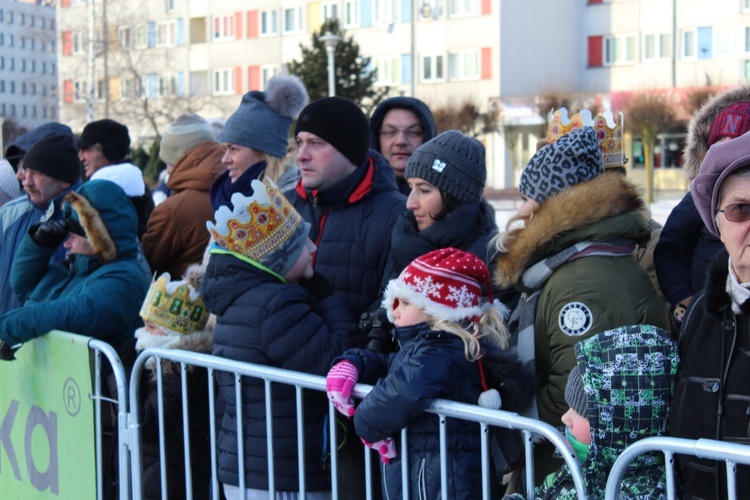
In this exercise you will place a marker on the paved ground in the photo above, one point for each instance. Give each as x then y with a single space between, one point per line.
506 203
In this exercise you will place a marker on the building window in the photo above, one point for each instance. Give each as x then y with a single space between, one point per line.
389 70
619 50
79 42
656 46
269 22
745 7
463 7
100 90
32 68
141 37
23 65
224 27
223 81
32 87
79 91
22 20
464 65
432 68
2 62
125 36
169 5
167 85
11 40
689 44
11 87
293 20
166 33
351 13
2 86
266 73
331 10
386 11
23 42
726 40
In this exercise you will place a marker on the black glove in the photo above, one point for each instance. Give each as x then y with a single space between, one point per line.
7 353
318 286
49 233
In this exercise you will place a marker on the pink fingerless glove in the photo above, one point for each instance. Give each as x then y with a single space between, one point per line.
339 383
386 447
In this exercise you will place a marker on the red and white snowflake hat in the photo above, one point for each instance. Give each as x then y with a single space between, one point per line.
445 283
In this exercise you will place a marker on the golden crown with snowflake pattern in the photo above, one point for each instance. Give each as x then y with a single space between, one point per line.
174 305
264 227
609 132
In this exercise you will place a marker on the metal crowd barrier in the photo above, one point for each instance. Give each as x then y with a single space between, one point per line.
444 409
731 453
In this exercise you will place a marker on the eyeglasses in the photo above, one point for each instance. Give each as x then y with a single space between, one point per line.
411 133
737 212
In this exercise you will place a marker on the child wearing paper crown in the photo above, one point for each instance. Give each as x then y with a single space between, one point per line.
447 335
271 309
175 318
620 391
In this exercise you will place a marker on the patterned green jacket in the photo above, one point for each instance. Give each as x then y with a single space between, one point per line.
629 375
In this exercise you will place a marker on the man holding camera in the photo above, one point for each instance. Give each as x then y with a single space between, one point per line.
52 169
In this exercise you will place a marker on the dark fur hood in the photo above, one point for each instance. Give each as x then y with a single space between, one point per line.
696 144
577 207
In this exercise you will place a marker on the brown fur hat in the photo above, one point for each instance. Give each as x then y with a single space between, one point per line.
699 129
96 232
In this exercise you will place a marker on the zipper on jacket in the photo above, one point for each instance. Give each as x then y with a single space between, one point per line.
320 234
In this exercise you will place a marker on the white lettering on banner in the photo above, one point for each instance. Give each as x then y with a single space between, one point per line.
37 417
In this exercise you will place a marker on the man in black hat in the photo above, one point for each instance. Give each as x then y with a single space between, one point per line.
104 150
51 169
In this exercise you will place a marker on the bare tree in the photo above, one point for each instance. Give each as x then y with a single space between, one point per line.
648 114
696 97
463 117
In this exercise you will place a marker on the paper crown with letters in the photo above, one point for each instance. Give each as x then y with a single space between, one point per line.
608 130
174 305
264 227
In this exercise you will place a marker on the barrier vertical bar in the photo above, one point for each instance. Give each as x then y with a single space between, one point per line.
485 433
368 472
162 443
240 435
269 441
301 441
186 431
212 433
669 461
334 451
731 480
443 457
529 452
405 463
98 422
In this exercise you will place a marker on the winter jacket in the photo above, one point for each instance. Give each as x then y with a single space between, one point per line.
177 235
198 407
265 321
429 130
430 365
351 225
96 295
621 369
711 400
683 252
587 292
16 217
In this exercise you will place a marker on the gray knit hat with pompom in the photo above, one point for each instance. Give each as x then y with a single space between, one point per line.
263 119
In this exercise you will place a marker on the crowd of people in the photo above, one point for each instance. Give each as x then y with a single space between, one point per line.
364 251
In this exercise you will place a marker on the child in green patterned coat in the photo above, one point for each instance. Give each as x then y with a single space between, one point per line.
619 392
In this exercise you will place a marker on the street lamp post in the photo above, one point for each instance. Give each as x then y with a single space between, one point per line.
330 40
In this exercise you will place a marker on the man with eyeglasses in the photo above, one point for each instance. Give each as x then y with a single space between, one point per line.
50 170
398 126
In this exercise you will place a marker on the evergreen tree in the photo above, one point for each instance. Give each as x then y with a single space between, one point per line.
353 78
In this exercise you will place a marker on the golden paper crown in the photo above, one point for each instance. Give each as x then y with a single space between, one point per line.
258 225
608 130
174 305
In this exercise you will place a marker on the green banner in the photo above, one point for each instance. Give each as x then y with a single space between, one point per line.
47 446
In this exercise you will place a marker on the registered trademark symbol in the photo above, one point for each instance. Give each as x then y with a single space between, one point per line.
72 397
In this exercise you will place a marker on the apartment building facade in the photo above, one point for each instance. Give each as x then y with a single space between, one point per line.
146 62
28 63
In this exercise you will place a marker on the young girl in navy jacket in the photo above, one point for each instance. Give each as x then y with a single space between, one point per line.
445 332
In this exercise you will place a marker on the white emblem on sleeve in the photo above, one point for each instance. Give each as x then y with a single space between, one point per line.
575 319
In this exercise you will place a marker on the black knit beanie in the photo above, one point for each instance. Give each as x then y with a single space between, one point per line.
341 123
452 162
112 135
55 156
574 393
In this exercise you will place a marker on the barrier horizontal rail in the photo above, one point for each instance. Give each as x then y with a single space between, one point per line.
443 408
731 453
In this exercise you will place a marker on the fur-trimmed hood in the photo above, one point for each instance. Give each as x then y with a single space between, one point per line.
699 129
575 208
107 216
